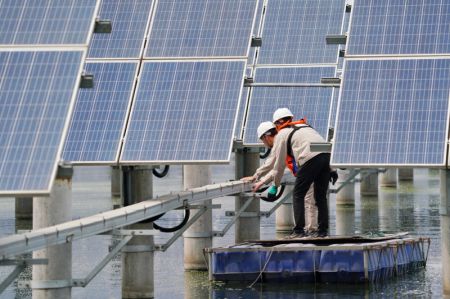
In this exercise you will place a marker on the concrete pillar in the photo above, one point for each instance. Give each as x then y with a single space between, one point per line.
24 207
388 178
49 211
345 220
247 228
405 174
369 182
345 196
284 216
199 235
138 255
115 181
445 230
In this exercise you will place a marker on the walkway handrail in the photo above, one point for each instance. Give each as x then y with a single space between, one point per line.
106 221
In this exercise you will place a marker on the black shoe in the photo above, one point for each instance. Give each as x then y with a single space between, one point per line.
322 234
295 235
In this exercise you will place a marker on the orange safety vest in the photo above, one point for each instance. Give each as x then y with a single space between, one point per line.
290 159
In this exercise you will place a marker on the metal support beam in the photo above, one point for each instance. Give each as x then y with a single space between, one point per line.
84 282
10 278
107 221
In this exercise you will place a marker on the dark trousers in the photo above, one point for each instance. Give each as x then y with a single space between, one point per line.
316 170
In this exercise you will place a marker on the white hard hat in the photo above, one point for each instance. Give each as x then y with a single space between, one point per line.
282 113
264 127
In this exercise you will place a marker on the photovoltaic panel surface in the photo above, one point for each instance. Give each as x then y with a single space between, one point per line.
129 22
46 21
36 91
100 113
399 27
313 103
393 112
199 28
184 111
294 31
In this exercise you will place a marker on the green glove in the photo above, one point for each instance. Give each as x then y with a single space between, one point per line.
272 191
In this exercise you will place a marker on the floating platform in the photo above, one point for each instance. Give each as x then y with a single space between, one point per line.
353 259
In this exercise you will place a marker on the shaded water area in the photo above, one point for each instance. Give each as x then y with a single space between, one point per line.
412 207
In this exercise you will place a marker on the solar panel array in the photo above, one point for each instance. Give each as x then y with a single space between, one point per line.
393 109
42 48
100 113
294 51
198 28
129 21
294 31
388 27
49 22
184 111
213 34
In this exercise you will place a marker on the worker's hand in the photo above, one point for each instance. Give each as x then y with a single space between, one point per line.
257 186
333 177
248 179
272 192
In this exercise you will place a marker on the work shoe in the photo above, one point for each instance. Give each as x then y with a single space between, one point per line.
317 234
295 235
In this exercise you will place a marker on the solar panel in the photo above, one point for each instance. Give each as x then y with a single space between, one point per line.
129 22
46 21
199 28
393 112
294 31
99 115
313 103
184 111
399 27
36 92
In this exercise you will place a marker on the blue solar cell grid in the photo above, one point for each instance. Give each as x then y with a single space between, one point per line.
393 112
99 115
198 28
129 22
313 103
399 27
36 90
46 21
294 31
184 111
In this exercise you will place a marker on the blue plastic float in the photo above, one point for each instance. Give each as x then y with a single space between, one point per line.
332 259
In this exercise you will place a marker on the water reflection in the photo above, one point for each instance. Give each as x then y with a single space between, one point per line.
369 214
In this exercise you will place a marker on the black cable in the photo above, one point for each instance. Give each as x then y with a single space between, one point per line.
266 154
162 173
187 213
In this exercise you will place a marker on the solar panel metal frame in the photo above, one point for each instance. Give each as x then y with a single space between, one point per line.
86 41
127 112
177 162
155 8
47 191
146 32
446 154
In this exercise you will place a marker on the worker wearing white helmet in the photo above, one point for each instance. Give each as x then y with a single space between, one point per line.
293 142
266 132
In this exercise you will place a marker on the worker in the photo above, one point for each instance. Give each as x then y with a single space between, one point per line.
266 133
309 167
